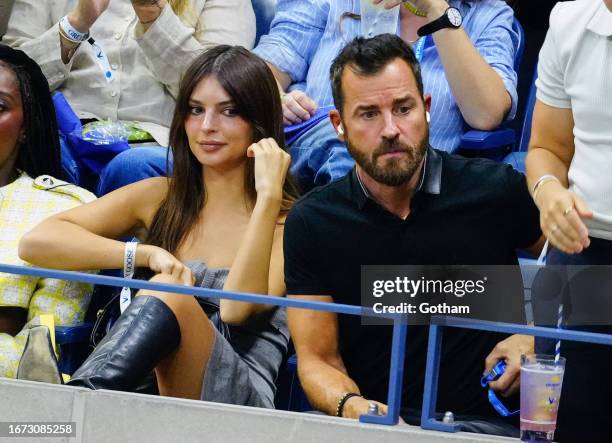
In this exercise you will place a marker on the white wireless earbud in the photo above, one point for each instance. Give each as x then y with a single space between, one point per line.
427 117
340 129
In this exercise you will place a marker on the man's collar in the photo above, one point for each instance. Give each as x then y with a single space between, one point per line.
601 22
429 183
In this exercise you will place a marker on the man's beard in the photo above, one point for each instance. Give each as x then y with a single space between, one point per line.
394 171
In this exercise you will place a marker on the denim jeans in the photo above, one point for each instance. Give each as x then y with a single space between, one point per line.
318 157
70 167
133 165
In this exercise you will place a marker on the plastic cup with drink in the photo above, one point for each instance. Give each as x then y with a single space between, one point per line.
375 19
541 381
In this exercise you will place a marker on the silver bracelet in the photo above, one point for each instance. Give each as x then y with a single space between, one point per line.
545 178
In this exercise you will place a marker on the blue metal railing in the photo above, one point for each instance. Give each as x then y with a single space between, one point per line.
436 330
398 344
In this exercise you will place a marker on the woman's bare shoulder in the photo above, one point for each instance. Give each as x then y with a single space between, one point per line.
142 198
148 191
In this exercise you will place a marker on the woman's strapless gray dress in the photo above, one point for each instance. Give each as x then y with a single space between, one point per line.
243 367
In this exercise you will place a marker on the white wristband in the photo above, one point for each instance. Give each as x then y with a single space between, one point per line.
129 264
70 32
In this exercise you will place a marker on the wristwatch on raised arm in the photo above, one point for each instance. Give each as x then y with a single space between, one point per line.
450 19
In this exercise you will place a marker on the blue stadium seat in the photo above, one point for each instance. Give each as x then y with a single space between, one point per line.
517 158
495 144
294 398
264 13
75 341
73 344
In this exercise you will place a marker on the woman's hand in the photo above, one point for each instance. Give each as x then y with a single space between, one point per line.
561 214
271 165
86 12
161 261
148 11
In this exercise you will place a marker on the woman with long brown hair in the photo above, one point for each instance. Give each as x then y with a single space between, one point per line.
218 222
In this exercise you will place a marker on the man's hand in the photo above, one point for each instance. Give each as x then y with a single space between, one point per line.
509 350
355 407
297 107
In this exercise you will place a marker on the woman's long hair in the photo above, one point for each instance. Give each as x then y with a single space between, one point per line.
252 87
39 153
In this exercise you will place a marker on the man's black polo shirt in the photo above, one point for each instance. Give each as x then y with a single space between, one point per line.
465 212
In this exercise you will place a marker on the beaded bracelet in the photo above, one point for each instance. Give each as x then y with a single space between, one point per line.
343 401
409 6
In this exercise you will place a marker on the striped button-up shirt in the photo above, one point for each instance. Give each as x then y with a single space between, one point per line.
306 35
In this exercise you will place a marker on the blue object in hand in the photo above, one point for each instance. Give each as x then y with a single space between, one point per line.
496 372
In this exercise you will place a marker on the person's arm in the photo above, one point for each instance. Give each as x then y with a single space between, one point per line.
478 88
315 333
170 45
258 265
34 28
320 367
295 35
83 238
551 150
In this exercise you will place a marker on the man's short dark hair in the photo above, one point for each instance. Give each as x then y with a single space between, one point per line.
369 56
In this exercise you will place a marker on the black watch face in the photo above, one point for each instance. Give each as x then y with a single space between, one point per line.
454 16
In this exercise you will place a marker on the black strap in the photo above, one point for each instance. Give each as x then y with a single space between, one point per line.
343 401
431 27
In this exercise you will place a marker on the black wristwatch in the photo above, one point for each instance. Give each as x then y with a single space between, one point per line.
450 19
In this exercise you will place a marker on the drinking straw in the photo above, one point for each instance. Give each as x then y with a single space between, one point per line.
559 324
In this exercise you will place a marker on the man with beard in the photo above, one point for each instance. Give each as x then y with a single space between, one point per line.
404 203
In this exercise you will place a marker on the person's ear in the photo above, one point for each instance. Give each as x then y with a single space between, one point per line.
336 121
427 104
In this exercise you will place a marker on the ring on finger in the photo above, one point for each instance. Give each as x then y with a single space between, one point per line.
568 210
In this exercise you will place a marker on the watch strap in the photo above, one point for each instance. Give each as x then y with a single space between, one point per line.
439 23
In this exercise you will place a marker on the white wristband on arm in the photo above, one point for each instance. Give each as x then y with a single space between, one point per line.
70 32
129 264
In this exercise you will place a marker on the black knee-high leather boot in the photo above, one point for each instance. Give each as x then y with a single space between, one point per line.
144 334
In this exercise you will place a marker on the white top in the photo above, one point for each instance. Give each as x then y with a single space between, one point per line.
147 66
575 71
